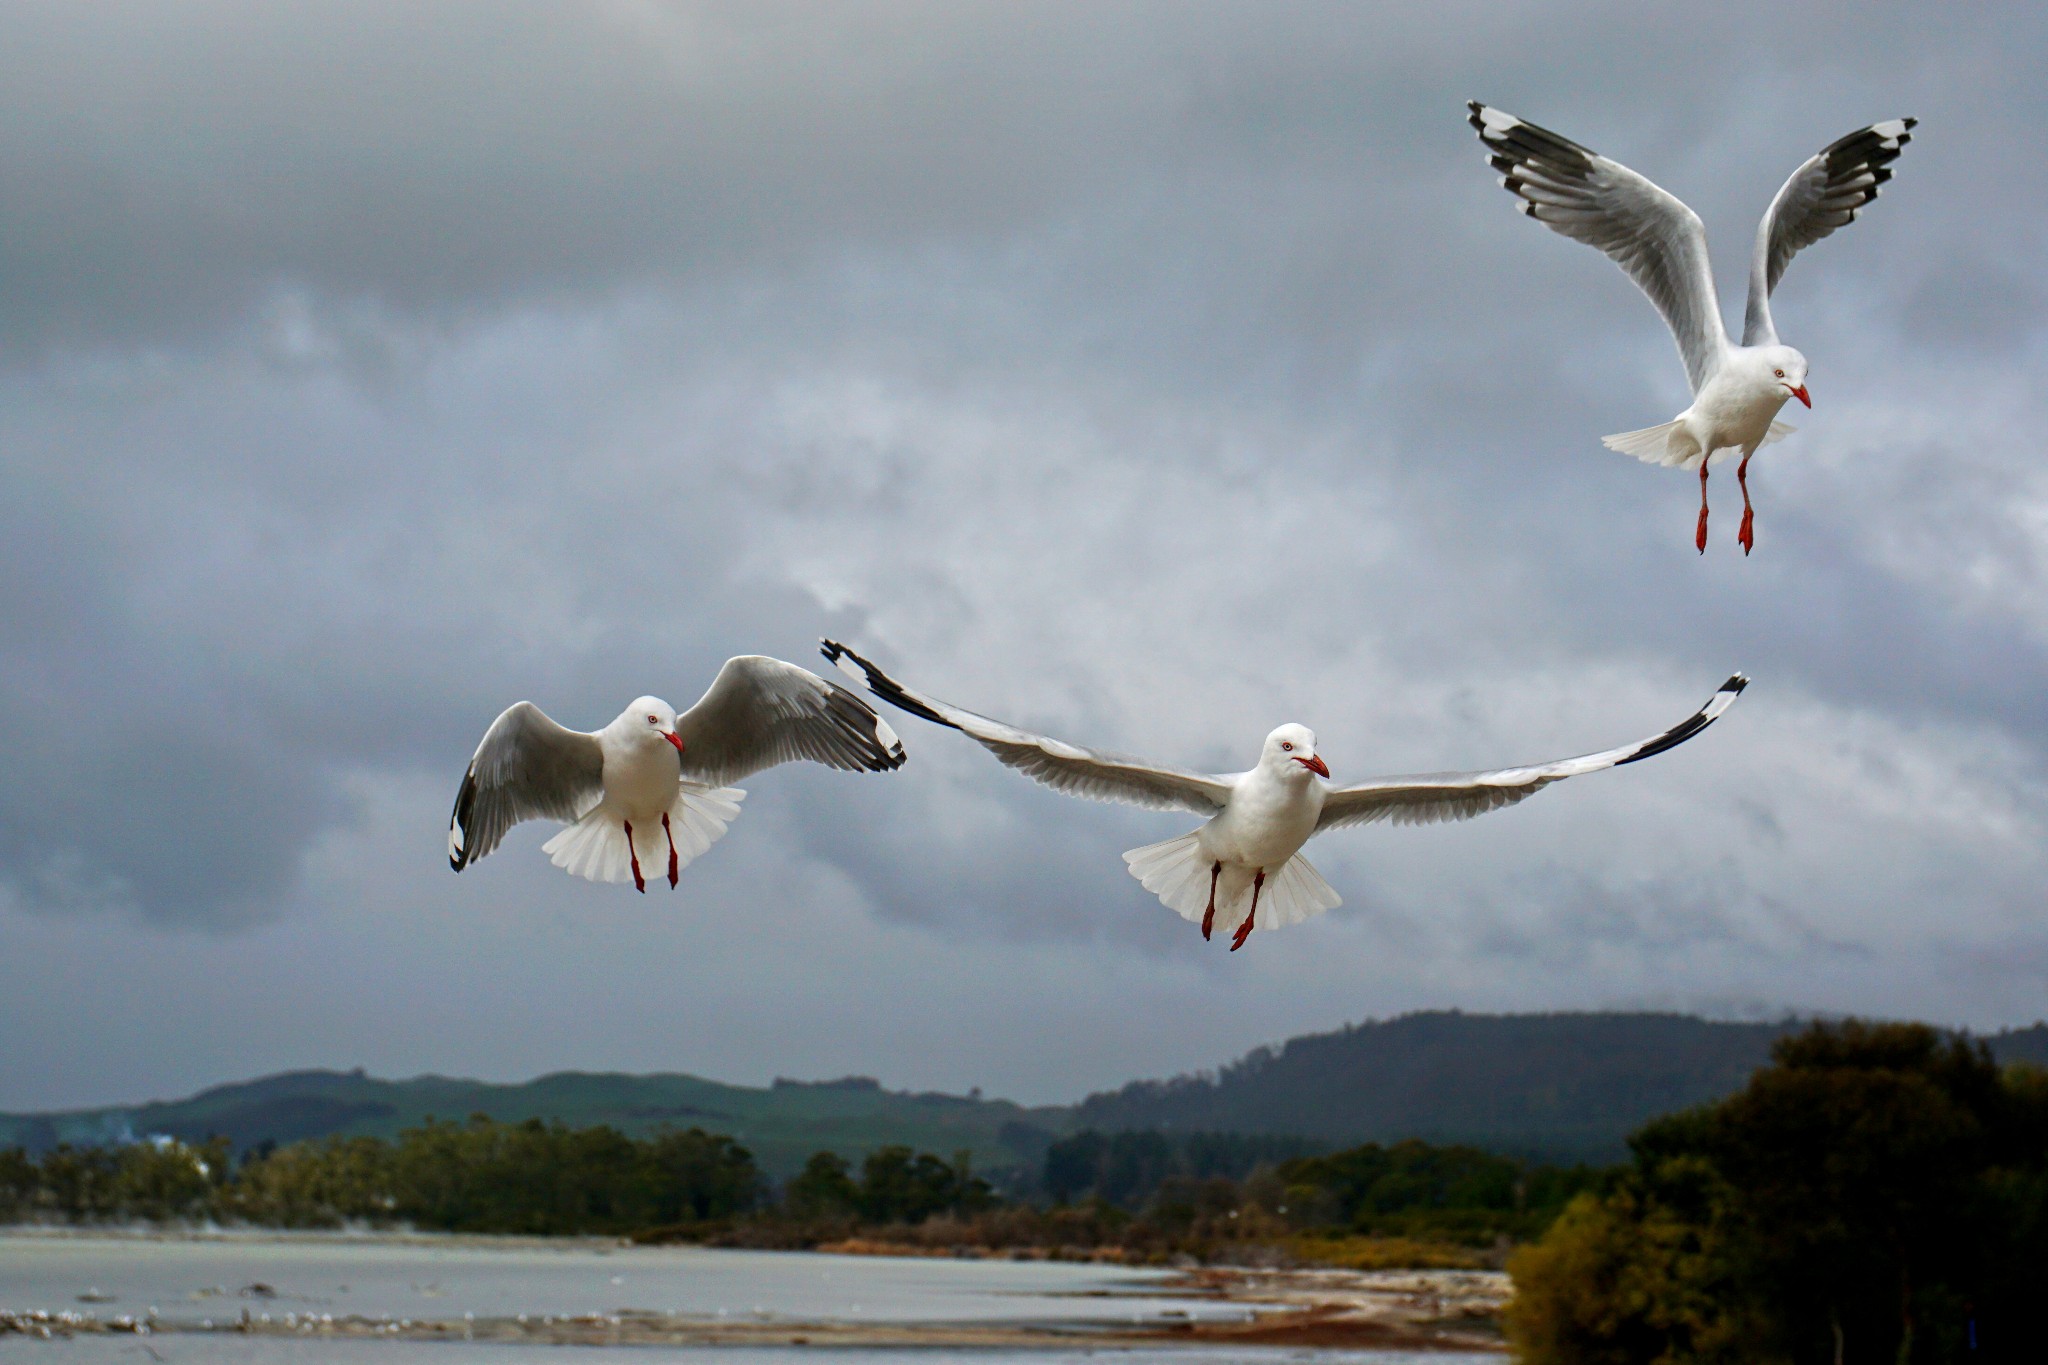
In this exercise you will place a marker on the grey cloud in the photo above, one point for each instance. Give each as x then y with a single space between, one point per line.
1976 303
1149 378
170 164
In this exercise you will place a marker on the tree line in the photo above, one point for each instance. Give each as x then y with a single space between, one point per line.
1877 1195
1148 1194
532 1177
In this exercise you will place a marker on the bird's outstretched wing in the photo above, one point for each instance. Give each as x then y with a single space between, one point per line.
527 768
1647 231
1090 773
1822 195
1429 797
760 712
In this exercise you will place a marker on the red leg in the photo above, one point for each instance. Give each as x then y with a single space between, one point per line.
1700 536
1209 915
1244 931
673 866
1748 517
639 882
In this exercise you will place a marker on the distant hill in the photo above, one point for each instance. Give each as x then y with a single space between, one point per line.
2021 1045
782 1124
1567 1087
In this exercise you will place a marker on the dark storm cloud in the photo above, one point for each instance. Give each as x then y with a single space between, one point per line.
169 162
1150 375
166 163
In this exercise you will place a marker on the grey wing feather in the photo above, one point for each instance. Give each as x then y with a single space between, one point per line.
1429 797
760 712
1648 232
1822 195
1090 773
527 768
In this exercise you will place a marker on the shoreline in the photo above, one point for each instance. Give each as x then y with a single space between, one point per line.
1350 1315
1414 1310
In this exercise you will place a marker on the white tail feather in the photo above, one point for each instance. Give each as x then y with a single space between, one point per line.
1296 893
595 847
1667 444
1653 445
1178 872
698 818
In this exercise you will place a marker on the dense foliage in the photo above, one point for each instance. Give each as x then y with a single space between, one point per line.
896 1185
1141 1195
156 1181
475 1177
1126 1168
1415 1189
1878 1194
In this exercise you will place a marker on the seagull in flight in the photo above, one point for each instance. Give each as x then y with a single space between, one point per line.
1249 851
653 779
1737 390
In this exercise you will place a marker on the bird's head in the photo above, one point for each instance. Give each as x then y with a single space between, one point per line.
1788 371
1290 745
651 718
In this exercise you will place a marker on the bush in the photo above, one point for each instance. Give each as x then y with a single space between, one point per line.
1875 1195
899 1186
1621 1279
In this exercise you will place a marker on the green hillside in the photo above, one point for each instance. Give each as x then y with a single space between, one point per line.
1556 1087
1566 1087
782 1124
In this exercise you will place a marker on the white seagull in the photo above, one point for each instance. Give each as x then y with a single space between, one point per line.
653 778
1258 820
1737 390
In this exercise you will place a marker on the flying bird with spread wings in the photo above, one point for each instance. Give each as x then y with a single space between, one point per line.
1249 851
653 781
1652 235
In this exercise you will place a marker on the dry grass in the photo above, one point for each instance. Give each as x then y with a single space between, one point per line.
1356 1252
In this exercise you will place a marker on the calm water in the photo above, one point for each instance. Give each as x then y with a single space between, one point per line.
260 1351
192 1282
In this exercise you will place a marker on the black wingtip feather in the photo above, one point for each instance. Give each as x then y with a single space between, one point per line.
1670 739
465 801
1687 728
882 685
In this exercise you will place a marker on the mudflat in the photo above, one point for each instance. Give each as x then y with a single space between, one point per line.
599 1294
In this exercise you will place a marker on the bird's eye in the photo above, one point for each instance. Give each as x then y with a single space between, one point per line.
1779 373
654 720
1286 746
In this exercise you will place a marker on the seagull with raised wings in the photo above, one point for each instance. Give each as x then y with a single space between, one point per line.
654 781
1250 848
1737 390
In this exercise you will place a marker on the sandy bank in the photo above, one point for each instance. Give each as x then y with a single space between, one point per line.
1406 1310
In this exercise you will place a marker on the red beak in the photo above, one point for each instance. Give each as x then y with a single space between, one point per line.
1315 765
1800 394
673 738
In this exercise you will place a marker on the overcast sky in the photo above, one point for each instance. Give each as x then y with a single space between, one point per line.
1147 374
